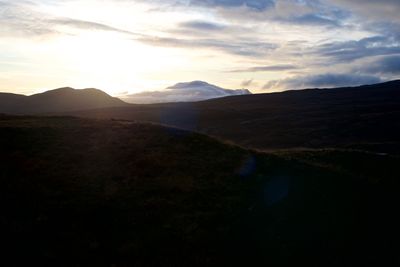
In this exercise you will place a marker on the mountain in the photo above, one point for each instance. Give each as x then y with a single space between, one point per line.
118 193
58 100
184 92
367 116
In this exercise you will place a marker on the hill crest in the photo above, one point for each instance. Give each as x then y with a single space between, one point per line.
63 99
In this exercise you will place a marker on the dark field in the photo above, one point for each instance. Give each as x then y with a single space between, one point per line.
81 192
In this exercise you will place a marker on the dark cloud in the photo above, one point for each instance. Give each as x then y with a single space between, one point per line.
385 65
351 50
253 4
371 9
243 48
388 28
316 13
322 80
281 67
311 20
202 25
200 29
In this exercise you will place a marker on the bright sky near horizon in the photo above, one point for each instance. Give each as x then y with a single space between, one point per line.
127 46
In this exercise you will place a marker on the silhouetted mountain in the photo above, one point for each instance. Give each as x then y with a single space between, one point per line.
184 92
354 116
58 100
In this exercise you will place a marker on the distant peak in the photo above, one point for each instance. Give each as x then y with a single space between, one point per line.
189 84
185 92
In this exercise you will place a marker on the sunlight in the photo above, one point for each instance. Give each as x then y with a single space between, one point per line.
110 61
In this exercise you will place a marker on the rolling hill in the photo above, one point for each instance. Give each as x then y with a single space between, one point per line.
58 100
366 117
116 193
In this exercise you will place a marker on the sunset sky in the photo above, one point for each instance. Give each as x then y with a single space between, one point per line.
127 46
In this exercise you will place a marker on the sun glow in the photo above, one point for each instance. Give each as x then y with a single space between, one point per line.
130 46
110 61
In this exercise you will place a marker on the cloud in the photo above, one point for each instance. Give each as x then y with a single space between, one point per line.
384 65
321 80
353 50
250 48
381 10
359 38
280 67
18 19
87 25
247 83
291 12
22 20
253 4
257 5
313 13
311 20
202 26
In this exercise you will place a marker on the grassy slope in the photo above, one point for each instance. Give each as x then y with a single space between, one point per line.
109 192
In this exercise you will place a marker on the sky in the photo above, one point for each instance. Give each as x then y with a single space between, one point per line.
129 46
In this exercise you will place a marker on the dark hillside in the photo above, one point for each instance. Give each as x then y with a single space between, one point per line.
366 117
112 193
9 102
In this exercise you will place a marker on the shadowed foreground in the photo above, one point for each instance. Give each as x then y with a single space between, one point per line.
114 193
